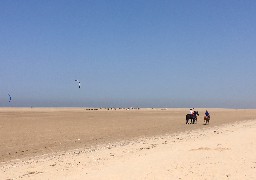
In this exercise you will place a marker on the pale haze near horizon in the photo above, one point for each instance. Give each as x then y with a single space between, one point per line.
128 53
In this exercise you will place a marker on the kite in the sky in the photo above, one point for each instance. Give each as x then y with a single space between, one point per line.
10 98
79 84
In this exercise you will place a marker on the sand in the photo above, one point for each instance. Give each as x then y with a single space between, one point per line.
136 144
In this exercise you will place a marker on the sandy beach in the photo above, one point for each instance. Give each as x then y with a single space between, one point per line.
105 89
73 143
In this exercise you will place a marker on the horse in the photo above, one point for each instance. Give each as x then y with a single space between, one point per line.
195 116
207 119
192 117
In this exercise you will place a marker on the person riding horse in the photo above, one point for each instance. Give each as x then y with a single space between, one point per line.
207 117
192 116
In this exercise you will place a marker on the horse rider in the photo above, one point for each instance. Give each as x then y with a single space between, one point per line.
207 114
191 111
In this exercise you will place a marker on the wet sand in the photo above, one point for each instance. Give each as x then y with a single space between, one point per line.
27 132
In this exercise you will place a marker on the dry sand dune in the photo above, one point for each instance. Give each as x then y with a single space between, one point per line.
137 144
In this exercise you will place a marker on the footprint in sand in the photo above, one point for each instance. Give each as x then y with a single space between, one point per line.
208 149
201 149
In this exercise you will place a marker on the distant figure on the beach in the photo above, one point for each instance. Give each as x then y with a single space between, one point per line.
207 117
191 111
192 116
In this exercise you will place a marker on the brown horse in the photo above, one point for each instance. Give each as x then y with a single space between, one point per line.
207 119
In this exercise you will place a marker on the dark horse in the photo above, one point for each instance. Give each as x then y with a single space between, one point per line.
192 117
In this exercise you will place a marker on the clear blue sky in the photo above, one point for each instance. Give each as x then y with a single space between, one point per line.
145 53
